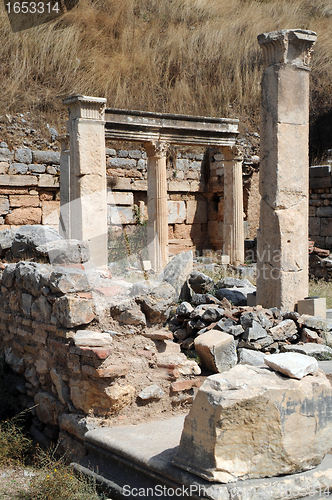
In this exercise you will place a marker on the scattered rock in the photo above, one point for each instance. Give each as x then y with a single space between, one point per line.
216 350
293 365
151 392
318 351
286 329
200 282
250 357
65 251
177 271
156 304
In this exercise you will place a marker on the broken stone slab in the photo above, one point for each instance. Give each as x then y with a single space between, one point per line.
212 314
65 280
200 282
156 305
286 329
160 334
216 350
237 296
234 283
65 251
250 357
254 332
128 313
78 425
176 273
151 392
315 322
28 238
319 351
249 423
292 364
204 298
6 240
184 309
90 338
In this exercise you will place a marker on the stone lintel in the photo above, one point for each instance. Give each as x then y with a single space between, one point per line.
81 106
288 46
145 126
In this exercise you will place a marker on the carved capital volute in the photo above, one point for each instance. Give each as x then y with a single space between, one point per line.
156 148
288 47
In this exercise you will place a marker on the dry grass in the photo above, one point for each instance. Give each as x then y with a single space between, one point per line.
321 288
184 56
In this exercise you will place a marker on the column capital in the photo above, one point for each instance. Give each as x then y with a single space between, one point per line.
232 153
156 148
82 106
64 142
288 46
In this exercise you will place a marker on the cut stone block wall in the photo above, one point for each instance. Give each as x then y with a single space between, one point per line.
320 206
29 193
29 187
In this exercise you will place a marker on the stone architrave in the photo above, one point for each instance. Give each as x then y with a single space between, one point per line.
88 196
157 204
282 258
233 206
64 223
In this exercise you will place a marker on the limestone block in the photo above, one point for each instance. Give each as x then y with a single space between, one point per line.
284 330
4 204
176 212
313 307
4 165
99 396
119 198
18 180
179 186
216 350
121 163
319 351
37 169
48 408
151 392
249 423
89 338
23 155
6 154
77 425
47 180
196 212
65 252
47 157
24 200
183 231
292 364
50 213
22 216
250 357
73 311
18 168
120 215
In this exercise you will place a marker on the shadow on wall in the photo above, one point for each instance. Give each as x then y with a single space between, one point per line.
320 138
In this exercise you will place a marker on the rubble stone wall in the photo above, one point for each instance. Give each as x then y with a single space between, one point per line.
320 206
70 366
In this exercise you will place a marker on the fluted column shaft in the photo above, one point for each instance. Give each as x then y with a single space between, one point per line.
157 204
233 206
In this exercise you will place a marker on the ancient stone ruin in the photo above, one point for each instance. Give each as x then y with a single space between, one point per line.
90 351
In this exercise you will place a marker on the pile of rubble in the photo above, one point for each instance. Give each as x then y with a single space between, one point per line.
223 334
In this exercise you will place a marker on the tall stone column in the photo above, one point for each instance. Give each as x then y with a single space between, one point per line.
282 257
64 223
233 206
157 204
88 197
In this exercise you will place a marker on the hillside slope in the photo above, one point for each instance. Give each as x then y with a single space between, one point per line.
182 56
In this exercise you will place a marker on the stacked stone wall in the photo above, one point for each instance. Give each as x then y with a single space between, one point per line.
320 206
29 193
70 366
29 187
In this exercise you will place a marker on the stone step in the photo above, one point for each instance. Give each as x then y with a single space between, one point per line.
127 458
